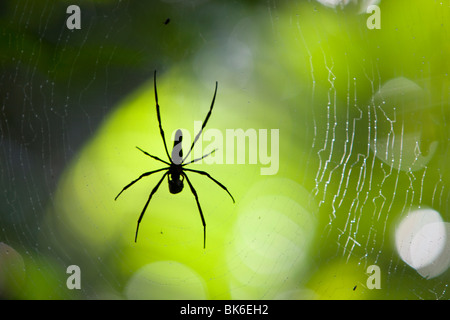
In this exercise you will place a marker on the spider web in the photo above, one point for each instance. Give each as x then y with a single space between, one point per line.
362 116
375 165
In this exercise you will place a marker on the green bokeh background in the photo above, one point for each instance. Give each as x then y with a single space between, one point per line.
75 104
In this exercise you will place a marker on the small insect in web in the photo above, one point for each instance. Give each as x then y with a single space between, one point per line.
176 167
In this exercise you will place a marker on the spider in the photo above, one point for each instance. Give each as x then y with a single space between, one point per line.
176 167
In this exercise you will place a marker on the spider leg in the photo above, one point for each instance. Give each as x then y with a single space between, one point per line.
159 119
154 157
146 204
203 124
134 181
199 208
207 174
198 159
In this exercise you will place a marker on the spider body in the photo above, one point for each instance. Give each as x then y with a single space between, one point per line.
176 170
175 183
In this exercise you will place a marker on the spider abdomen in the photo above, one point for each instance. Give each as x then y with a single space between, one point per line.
175 183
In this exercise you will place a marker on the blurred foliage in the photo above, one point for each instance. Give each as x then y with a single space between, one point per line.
76 103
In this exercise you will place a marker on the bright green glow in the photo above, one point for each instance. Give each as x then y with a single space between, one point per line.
337 281
272 237
165 280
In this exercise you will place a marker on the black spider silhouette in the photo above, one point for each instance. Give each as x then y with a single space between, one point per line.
176 170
